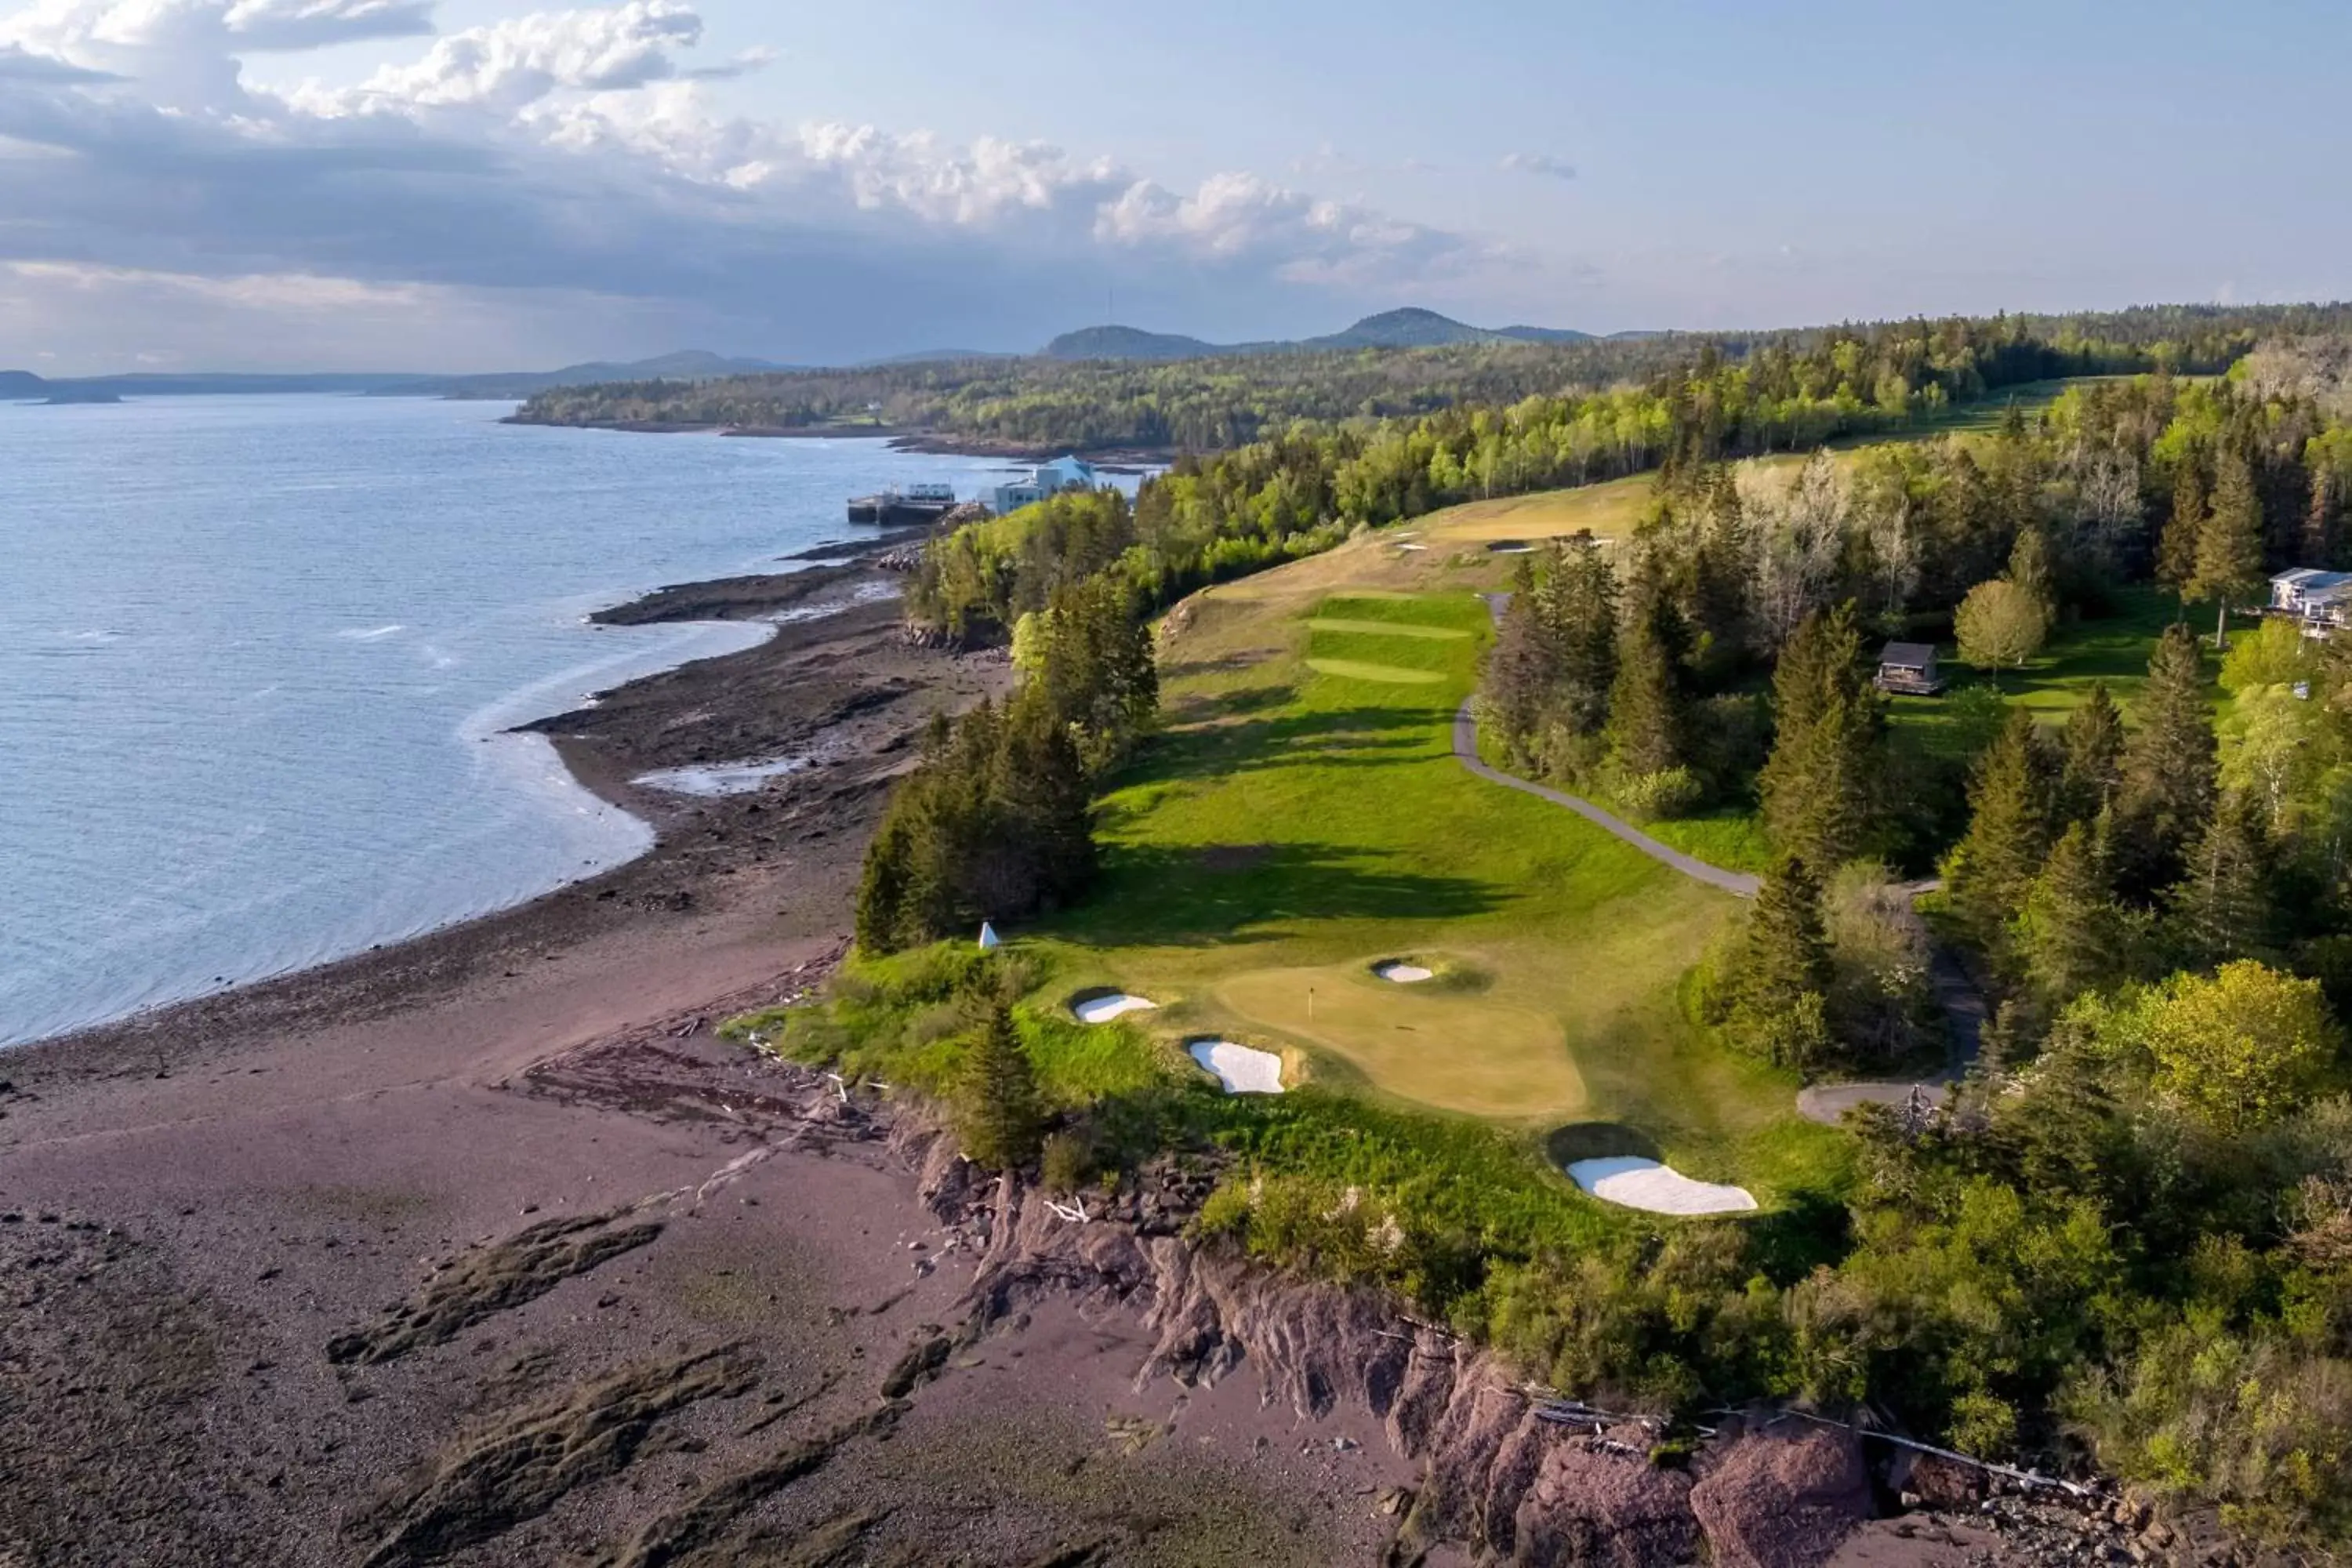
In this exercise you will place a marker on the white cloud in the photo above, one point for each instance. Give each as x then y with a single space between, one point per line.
20 64
511 65
314 24
578 152
1540 164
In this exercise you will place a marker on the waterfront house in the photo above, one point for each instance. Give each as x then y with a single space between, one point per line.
1908 667
1046 480
2320 600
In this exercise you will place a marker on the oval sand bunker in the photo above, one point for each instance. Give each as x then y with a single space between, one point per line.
1402 974
1241 1069
1103 1009
1640 1184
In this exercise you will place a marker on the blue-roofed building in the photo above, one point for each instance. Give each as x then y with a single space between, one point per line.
2322 601
1065 473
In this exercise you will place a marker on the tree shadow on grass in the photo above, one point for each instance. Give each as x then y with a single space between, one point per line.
1161 896
1564 1146
1207 707
1332 737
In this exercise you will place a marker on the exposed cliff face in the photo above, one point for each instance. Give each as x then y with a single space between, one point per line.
1497 1476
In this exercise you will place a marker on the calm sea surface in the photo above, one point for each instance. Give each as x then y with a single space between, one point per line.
257 653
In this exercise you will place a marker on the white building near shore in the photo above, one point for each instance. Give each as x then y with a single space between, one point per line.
1046 480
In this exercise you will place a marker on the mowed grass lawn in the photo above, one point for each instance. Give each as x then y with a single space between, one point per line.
2113 649
1304 817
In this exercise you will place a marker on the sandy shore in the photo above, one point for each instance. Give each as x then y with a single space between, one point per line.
482 1250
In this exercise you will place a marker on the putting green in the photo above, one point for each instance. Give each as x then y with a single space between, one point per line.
1387 674
1459 1053
1388 628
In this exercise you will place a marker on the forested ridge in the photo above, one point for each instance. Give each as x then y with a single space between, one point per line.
2130 1230
2126 1242
1213 403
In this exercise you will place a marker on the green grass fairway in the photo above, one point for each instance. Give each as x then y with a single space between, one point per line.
1388 674
1418 1042
1607 510
1304 812
1386 629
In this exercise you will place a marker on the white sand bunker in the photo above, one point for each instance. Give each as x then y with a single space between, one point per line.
1103 1009
1641 1184
1401 973
1241 1069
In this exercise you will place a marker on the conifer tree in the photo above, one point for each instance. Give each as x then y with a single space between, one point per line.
2070 934
2090 750
1578 601
998 1120
2175 550
1783 975
882 886
1646 702
1096 669
2322 542
1718 598
2220 909
1522 668
2009 828
1038 849
2030 569
2229 567
1555 653
2169 765
1819 785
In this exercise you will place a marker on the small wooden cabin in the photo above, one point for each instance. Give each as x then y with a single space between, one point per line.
1909 668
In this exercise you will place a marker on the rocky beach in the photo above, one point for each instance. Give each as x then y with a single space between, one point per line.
484 1249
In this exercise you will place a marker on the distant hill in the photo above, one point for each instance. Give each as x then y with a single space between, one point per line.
20 384
1128 343
687 364
1411 328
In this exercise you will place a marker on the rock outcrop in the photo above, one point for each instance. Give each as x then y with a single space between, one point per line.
1782 1497
1499 1474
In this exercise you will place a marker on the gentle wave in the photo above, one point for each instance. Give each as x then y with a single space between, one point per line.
210 769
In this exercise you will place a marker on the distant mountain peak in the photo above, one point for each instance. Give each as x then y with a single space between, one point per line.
1406 327
1126 343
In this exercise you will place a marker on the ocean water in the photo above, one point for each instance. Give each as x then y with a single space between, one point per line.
256 656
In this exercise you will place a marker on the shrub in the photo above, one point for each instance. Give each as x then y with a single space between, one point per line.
1668 792
1066 1162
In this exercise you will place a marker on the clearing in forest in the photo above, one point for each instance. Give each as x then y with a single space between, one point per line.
1304 818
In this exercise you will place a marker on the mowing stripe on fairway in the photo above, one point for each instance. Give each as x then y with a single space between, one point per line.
1388 674
1387 628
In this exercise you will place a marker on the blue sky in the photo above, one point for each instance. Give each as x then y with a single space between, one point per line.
483 182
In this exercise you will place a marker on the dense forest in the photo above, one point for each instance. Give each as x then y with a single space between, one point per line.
2204 487
2128 1237
1899 369
2134 1226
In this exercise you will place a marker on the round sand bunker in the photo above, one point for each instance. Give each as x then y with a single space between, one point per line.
1103 1009
1640 1184
1240 1069
1398 972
